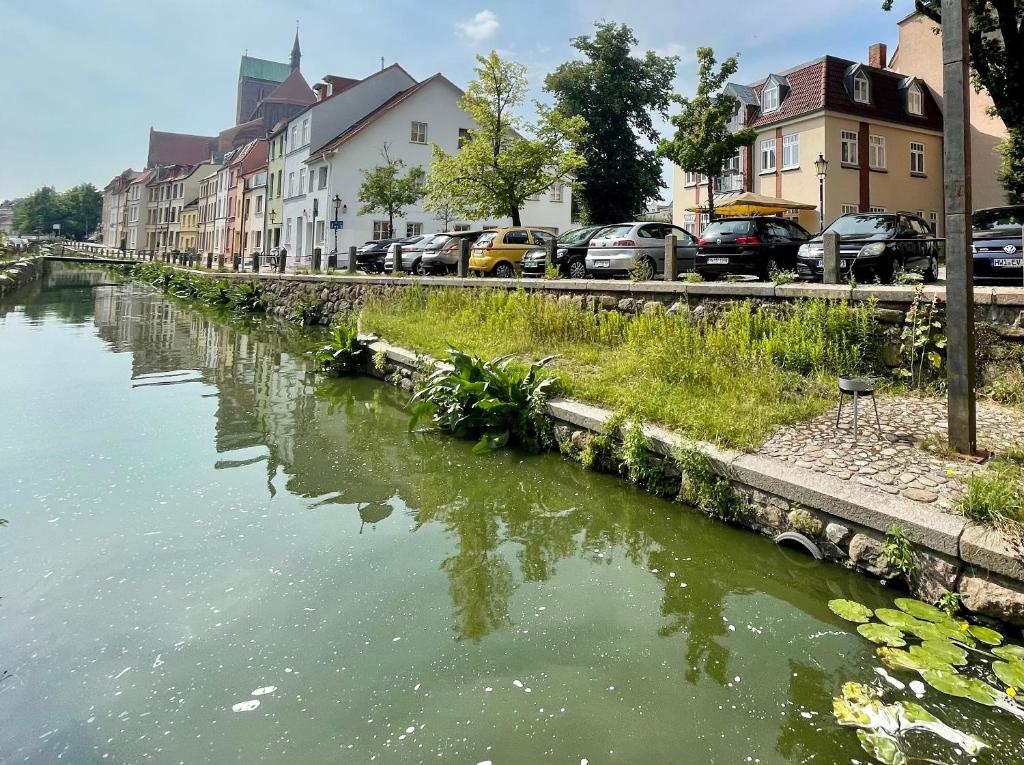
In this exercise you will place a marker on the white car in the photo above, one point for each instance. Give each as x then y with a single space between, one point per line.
412 251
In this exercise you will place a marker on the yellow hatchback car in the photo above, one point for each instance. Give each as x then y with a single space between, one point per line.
499 252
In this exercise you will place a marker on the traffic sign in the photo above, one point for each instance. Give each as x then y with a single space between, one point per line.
336 224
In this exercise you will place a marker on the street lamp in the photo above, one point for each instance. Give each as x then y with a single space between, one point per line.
337 206
821 166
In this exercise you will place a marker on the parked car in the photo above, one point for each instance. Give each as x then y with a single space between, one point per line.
499 252
875 245
999 244
441 254
412 251
370 257
751 246
638 248
570 254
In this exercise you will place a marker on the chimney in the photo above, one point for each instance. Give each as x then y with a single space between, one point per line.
320 90
878 56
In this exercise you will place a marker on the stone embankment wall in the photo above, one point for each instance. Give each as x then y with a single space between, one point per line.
18 273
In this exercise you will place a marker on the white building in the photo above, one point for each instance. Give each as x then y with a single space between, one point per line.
336 141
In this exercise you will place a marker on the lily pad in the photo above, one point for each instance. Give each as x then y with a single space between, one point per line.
953 684
946 651
850 610
931 631
921 610
898 619
882 747
912 661
1011 673
1009 651
882 634
985 635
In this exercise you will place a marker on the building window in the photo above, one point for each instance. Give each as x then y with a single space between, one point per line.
933 218
419 132
850 209
915 100
320 231
322 177
294 143
413 229
302 179
861 88
876 209
770 98
876 152
270 186
767 157
556 192
916 158
312 177
259 205
850 152
461 227
288 231
305 131
689 179
690 223
791 151
463 136
381 229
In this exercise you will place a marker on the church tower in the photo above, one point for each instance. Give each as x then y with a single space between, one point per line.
296 53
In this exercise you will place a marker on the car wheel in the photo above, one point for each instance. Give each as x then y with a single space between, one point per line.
417 267
646 270
886 270
577 269
931 274
767 268
504 271
709 276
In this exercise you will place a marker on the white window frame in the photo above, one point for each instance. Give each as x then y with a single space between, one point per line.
381 229
556 192
877 210
418 132
291 184
690 223
768 151
305 131
847 209
302 180
850 153
791 151
413 229
876 152
294 141
321 177
769 103
861 88
689 179
915 100
917 164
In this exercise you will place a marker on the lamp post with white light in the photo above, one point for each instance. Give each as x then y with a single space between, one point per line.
821 166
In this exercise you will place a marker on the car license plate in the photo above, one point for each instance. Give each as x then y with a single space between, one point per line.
601 263
842 263
718 261
1008 263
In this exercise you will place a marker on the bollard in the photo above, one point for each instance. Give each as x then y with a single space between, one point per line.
209 261
282 261
351 265
255 263
332 261
317 258
550 248
830 258
236 262
463 267
220 260
397 268
671 271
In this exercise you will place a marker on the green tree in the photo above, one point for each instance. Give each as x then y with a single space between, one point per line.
77 210
36 213
82 207
388 190
617 94
996 39
703 142
499 165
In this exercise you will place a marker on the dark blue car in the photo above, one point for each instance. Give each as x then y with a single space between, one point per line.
999 245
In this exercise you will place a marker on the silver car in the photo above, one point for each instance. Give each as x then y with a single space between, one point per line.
412 251
638 249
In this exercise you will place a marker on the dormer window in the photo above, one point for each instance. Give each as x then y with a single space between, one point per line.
915 100
770 98
861 88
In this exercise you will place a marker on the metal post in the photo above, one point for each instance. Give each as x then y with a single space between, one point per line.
315 263
550 249
398 259
830 258
961 374
821 203
209 260
351 266
255 262
670 258
463 258
282 261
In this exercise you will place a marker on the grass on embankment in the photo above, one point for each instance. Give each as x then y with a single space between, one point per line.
732 382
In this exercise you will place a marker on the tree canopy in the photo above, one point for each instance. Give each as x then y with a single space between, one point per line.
618 95
77 210
386 189
504 159
703 142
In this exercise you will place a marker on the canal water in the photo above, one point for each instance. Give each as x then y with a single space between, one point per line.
214 555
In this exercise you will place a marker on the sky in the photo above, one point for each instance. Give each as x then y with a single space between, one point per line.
83 82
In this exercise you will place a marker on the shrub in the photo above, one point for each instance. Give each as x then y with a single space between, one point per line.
493 401
307 311
343 353
247 297
782 277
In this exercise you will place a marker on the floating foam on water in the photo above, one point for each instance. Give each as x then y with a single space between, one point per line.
264 690
246 706
517 683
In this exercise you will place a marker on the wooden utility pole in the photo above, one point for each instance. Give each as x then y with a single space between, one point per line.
960 358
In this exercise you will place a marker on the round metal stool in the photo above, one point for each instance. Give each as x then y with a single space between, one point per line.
856 388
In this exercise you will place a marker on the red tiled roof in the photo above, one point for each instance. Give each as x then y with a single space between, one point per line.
294 90
376 114
822 84
178 148
339 84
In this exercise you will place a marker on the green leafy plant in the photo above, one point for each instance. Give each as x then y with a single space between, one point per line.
551 271
380 360
248 298
782 277
343 353
703 488
995 496
949 603
493 401
693 277
638 271
923 341
307 311
907 277
852 281
898 550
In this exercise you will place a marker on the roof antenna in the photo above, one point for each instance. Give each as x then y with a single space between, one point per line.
382 63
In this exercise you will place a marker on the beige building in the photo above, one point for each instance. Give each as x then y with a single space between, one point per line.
880 132
188 229
920 54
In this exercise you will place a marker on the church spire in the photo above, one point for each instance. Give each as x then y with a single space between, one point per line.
296 53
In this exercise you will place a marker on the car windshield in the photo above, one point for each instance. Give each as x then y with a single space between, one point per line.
576 236
864 226
437 241
1011 218
614 232
727 228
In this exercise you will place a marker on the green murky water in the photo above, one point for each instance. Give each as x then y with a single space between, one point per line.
194 517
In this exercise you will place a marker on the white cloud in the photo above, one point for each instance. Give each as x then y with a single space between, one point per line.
481 27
